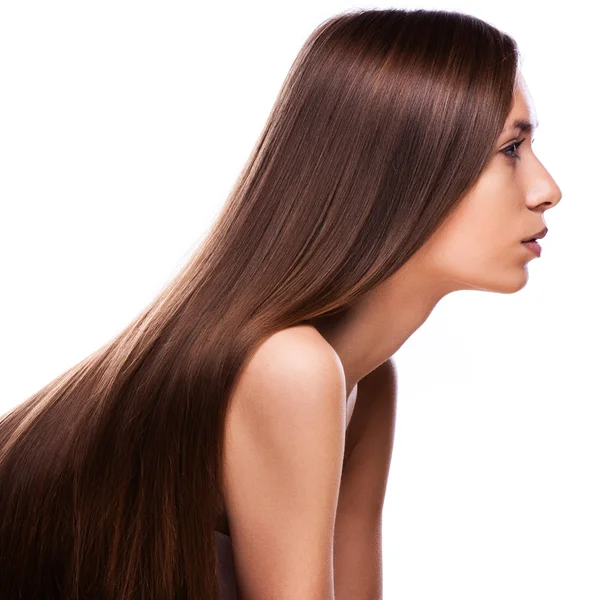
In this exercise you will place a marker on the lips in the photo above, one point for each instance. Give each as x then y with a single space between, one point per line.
533 247
537 236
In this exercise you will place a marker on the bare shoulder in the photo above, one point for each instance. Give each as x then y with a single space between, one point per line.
297 357
283 455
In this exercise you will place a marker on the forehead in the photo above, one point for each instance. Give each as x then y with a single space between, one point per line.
523 108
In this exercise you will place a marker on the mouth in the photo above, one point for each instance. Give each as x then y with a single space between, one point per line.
538 236
533 247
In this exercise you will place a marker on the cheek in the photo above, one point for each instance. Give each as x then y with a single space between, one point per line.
477 239
469 254
486 235
479 262
488 215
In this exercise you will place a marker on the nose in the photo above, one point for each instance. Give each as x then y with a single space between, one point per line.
553 195
544 190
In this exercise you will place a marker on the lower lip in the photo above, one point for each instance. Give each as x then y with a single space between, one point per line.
534 247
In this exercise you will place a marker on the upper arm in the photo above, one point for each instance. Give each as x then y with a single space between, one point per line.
358 561
369 444
283 454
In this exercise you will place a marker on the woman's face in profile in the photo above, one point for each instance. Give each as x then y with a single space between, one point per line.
480 245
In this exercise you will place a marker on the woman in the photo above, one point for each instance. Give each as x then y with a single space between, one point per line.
249 409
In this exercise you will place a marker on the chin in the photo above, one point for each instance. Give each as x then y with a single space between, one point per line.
508 283
511 283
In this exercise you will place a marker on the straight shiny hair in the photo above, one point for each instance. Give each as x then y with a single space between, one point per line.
111 474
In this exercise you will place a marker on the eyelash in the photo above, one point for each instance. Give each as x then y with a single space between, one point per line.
511 153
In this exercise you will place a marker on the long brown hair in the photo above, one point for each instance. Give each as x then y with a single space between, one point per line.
110 475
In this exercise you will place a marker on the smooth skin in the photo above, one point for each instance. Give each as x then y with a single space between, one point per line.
304 495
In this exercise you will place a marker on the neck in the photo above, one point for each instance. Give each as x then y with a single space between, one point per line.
371 330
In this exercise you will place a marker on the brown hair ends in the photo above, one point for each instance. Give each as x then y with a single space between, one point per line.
110 475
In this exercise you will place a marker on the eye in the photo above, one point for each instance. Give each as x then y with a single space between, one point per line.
510 150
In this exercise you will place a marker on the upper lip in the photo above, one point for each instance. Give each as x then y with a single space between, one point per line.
538 235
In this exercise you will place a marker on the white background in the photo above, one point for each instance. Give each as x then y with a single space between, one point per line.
123 126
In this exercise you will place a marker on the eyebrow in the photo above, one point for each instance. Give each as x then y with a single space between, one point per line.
522 124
